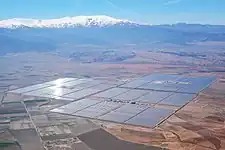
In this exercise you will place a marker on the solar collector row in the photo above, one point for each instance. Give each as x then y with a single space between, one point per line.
173 83
115 112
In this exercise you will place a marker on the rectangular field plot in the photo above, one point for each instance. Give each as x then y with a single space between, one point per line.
60 81
131 109
173 83
111 92
150 117
76 83
195 84
80 86
131 95
39 93
75 106
116 117
161 85
82 93
135 83
53 90
177 99
115 82
166 77
102 86
60 98
10 108
45 95
153 97
123 113
98 109
30 88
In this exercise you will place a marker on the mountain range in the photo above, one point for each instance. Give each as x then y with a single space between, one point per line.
66 22
19 35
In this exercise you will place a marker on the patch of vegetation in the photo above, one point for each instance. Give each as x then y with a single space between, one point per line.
185 54
7 143
35 100
102 56
11 102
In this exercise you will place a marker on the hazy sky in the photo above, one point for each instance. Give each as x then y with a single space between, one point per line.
148 11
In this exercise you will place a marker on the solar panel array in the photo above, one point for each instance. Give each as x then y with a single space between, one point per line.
131 102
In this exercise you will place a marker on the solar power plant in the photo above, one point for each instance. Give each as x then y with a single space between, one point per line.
131 95
30 88
153 97
194 84
80 84
173 83
162 77
61 81
98 109
160 85
112 92
127 102
150 117
135 83
53 90
102 86
177 99
75 106
123 113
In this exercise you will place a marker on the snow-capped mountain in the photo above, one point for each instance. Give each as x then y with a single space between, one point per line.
83 21
55 34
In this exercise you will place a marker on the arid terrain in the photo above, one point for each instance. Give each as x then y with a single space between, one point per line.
26 123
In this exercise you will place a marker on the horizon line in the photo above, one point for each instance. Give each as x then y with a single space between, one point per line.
142 23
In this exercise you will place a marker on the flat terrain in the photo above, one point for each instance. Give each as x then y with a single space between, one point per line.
199 125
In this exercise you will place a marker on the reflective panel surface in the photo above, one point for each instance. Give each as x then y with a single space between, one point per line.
82 93
150 117
75 106
38 93
162 77
88 113
154 97
60 98
30 88
131 109
195 84
99 109
177 99
60 81
74 83
135 83
111 92
102 86
131 95
161 85
131 103
52 91
116 117
105 106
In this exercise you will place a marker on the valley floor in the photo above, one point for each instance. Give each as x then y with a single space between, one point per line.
199 125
